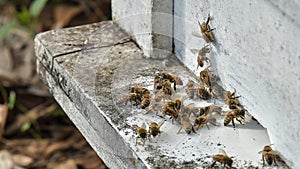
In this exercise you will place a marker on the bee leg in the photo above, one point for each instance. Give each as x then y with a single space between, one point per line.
263 158
179 130
207 126
233 124
193 129
213 164
274 159
239 121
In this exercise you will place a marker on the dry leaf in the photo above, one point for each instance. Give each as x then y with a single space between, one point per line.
3 117
6 161
63 15
57 146
22 160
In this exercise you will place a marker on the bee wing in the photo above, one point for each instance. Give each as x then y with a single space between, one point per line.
161 123
222 151
143 125
196 34
191 105
194 51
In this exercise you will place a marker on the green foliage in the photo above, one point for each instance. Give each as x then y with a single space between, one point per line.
26 126
58 112
11 100
5 29
36 7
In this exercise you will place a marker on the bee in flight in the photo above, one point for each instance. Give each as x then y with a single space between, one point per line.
190 89
222 158
238 114
202 55
269 155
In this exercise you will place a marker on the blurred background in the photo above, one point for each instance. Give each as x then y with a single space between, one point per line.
35 133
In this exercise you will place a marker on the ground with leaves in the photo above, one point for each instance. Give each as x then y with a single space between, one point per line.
35 132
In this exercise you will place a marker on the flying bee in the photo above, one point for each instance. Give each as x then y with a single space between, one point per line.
232 100
172 108
269 155
186 125
205 78
154 128
203 93
204 120
206 31
141 133
238 114
222 158
202 55
173 79
190 89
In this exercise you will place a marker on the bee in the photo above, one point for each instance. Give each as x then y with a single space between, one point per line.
172 108
145 101
232 100
132 97
167 89
269 155
203 93
205 78
202 55
217 91
238 114
190 108
141 133
204 120
157 82
190 89
206 31
173 79
186 125
140 95
222 158
210 109
154 128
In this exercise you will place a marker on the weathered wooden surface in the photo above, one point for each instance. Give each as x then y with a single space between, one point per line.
89 68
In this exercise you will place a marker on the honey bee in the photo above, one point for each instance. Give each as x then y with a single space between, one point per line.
206 31
203 93
222 158
167 89
202 55
140 95
186 125
238 114
172 108
269 155
210 109
154 128
157 82
190 108
205 78
204 120
132 97
232 100
190 89
141 133
173 79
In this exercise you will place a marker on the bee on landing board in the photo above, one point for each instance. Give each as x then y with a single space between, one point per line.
269 155
232 100
202 93
172 108
186 125
222 158
141 94
238 114
206 31
154 128
201 55
205 78
141 133
204 120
